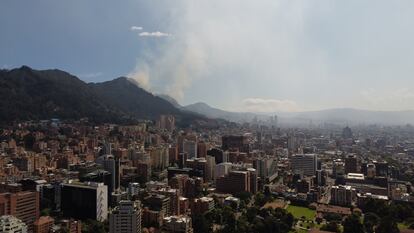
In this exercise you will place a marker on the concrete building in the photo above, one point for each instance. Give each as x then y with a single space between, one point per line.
72 226
126 218
338 169
111 164
11 224
211 163
84 200
190 148
253 180
304 164
158 202
202 205
262 165
159 157
342 195
235 182
222 169
166 122
371 170
177 224
23 205
133 189
351 164
239 142
44 224
172 194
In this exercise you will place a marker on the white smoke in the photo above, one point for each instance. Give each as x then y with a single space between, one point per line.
140 76
244 39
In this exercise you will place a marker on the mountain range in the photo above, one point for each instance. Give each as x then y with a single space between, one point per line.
28 94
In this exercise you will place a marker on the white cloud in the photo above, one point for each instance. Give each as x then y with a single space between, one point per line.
269 105
136 28
154 34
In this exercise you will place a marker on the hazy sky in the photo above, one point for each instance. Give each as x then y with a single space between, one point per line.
265 55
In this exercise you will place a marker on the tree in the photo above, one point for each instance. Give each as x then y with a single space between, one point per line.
387 225
331 226
260 199
370 221
251 213
352 224
45 212
332 217
244 196
200 224
93 226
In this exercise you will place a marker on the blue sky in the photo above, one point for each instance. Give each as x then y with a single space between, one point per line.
268 55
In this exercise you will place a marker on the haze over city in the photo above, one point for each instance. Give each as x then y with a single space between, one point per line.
257 56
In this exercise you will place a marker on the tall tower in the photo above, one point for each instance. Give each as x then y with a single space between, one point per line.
126 218
111 164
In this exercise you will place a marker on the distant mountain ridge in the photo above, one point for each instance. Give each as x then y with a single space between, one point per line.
28 94
338 116
211 112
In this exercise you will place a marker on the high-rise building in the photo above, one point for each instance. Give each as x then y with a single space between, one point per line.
262 165
381 168
100 176
166 122
338 169
321 177
253 180
84 200
217 154
173 154
201 149
347 133
235 182
126 218
240 143
133 189
23 205
190 148
371 170
351 164
304 164
222 169
211 163
342 195
111 164
198 164
159 158
11 224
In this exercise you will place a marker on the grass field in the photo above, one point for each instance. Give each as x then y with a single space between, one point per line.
402 226
298 212
275 204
